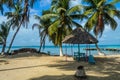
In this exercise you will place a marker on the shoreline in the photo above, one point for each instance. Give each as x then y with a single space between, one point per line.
108 49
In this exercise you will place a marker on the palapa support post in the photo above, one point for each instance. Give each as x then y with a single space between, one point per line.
66 52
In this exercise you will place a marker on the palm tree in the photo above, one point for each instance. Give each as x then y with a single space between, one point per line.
20 16
43 28
15 18
62 21
4 31
100 13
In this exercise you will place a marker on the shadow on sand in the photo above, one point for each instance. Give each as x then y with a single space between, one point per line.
60 77
20 68
104 66
113 76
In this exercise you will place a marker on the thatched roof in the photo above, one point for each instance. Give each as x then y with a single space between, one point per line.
80 36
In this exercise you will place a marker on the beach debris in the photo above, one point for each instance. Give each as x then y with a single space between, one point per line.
28 50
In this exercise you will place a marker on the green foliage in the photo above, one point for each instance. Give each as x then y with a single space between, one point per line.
53 27
75 9
4 30
62 20
100 12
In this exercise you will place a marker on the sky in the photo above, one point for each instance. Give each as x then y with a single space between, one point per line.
29 37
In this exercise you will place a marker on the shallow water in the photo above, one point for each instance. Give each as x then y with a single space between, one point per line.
71 49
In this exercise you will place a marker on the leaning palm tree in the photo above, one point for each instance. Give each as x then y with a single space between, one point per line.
4 31
62 21
101 13
43 28
15 18
20 16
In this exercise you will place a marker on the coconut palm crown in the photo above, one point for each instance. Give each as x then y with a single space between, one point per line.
62 20
101 13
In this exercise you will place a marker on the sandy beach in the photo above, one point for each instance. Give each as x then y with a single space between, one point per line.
25 66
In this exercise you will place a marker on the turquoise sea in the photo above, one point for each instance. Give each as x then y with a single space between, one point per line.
68 49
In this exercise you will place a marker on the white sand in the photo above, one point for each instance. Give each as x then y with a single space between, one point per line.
36 67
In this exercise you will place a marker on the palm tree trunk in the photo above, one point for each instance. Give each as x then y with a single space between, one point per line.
99 50
42 43
4 44
13 39
3 49
40 47
61 52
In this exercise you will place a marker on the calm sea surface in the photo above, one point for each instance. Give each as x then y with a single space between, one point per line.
71 49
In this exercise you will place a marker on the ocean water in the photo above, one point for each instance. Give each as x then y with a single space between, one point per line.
70 49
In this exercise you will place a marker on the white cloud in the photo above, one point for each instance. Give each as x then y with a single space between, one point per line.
74 3
33 11
107 28
2 18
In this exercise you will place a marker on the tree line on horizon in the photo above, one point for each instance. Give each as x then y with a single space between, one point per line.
59 20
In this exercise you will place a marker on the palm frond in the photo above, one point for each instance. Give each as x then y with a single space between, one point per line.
78 16
60 10
91 2
46 12
99 4
36 25
53 27
54 2
116 13
88 12
108 7
74 9
115 1
91 21
37 17
111 21
49 16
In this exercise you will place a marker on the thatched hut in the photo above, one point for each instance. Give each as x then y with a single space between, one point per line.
80 36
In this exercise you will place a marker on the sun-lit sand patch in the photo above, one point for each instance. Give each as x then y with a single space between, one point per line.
97 74
37 67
